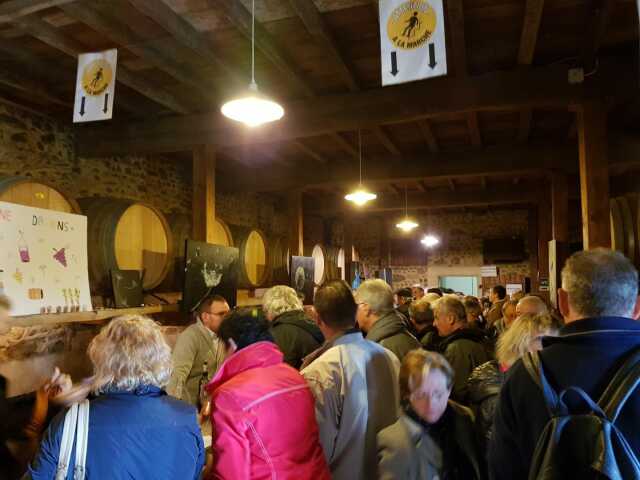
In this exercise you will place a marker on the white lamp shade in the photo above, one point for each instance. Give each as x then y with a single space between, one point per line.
430 241
252 110
360 197
406 225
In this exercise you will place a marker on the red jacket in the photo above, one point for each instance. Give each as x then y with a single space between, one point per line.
263 417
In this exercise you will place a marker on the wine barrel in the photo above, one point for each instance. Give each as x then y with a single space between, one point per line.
617 227
181 230
278 261
26 191
222 234
254 258
319 259
129 236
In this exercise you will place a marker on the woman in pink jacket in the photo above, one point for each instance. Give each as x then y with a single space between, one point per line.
262 412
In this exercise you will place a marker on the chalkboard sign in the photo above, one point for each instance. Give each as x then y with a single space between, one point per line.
302 277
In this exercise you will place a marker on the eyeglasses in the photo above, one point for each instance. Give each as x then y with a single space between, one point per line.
436 396
219 314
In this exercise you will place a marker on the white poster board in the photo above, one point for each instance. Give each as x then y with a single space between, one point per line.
43 260
513 288
95 86
412 40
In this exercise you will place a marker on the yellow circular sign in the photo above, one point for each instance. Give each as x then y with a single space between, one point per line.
411 24
96 77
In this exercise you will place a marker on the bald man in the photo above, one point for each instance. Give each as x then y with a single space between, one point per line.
531 305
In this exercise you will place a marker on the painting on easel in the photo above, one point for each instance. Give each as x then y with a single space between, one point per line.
302 276
127 288
209 270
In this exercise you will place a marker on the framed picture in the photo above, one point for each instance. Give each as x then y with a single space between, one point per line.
302 277
127 288
209 270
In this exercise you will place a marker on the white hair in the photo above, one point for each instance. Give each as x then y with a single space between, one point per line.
377 294
600 282
128 353
533 305
524 335
280 299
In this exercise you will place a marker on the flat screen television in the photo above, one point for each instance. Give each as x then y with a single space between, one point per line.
503 250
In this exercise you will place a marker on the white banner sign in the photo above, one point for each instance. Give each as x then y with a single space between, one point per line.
95 86
412 42
43 260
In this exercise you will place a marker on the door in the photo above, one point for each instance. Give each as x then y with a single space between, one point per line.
465 284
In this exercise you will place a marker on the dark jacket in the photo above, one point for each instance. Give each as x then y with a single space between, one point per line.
465 349
410 449
586 354
484 386
132 435
391 332
296 336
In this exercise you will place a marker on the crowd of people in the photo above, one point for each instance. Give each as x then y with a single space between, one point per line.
367 384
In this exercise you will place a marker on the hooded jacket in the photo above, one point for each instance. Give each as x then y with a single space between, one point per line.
263 419
296 336
392 333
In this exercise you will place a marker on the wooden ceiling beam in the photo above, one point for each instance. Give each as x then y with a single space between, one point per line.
422 186
544 86
526 51
386 140
51 36
240 17
474 129
398 190
429 136
309 152
467 197
452 184
16 79
379 171
597 22
15 9
483 182
345 145
98 16
455 13
186 34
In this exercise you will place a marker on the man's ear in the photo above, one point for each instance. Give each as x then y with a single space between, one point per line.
636 309
563 302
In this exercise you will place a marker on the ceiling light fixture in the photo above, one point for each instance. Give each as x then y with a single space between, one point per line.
253 108
430 241
406 225
360 196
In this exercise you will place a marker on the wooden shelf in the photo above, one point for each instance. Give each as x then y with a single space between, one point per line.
97 316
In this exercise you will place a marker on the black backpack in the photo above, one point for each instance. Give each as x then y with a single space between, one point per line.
586 444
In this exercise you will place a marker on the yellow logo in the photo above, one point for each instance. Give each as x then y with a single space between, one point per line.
96 77
411 24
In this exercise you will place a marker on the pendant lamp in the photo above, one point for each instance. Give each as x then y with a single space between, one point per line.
360 196
253 108
406 225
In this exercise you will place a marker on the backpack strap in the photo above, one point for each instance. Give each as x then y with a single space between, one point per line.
67 442
621 386
532 364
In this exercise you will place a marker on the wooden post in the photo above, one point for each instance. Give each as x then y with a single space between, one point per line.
544 235
296 225
347 246
558 247
532 243
204 193
594 175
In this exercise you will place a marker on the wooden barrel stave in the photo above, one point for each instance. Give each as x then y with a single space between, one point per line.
254 256
32 193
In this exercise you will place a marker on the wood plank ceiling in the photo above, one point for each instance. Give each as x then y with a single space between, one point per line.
180 59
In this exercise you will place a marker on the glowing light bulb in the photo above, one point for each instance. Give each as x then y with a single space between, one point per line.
252 109
406 225
360 197
429 241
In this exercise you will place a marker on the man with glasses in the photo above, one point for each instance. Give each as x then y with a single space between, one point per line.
198 352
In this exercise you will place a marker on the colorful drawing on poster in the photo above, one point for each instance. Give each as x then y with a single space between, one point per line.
23 248
60 256
35 294
18 277
212 276
5 215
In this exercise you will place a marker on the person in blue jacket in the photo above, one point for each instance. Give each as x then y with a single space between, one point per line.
136 431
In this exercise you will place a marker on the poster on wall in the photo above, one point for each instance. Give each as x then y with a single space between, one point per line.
43 260
209 270
95 86
302 277
412 40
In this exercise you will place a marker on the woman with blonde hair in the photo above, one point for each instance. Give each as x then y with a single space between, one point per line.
434 436
135 430
484 384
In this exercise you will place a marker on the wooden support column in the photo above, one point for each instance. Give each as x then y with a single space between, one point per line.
296 225
558 246
594 175
544 235
532 244
347 246
204 193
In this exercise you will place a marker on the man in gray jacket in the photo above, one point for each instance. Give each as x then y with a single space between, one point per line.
378 319
355 385
198 352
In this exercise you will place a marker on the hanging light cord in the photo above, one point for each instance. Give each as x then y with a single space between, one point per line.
253 41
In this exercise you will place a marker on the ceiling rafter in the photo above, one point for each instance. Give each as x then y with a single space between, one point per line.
15 9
